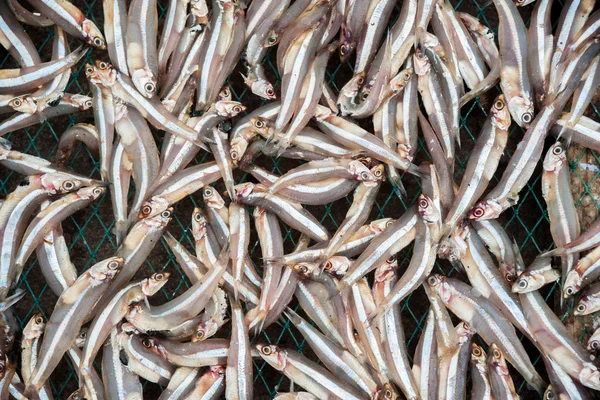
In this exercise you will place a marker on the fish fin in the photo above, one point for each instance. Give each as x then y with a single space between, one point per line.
12 300
398 186
562 131
376 314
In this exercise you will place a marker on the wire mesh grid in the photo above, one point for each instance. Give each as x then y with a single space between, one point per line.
88 232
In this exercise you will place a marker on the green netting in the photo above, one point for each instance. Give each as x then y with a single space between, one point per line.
88 232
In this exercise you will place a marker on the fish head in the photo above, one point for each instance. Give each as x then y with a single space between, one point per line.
487 209
262 126
24 104
35 327
153 344
521 110
82 102
105 73
91 192
212 198
386 392
224 94
590 376
307 270
348 43
106 269
378 172
144 81
399 82
93 35
360 172
152 207
81 337
594 342
273 355
59 183
205 330
238 146
380 225
583 306
243 190
421 63
153 284
550 393
427 210
199 223
229 109
496 360
337 266
501 114
353 86
556 158
572 284
528 282
440 286
272 39
387 270
263 88
478 355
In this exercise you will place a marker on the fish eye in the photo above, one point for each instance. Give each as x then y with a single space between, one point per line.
270 92
391 260
97 191
39 320
272 39
208 192
527 117
198 217
478 212
259 124
88 103
595 344
343 49
113 265
166 214
581 307
149 87
477 352
423 203
388 394
68 185
328 265
360 81
570 291
103 65
432 280
147 343
237 109
378 172
364 176
499 105
549 395
522 283
466 325
146 210
225 92
89 70
497 354
17 102
199 334
557 150
389 223
98 42
364 95
234 155
509 277
266 350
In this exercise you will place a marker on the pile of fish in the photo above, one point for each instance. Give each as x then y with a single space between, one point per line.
413 76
